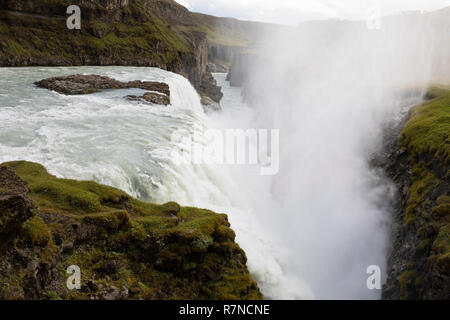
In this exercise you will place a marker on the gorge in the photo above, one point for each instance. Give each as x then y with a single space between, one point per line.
363 117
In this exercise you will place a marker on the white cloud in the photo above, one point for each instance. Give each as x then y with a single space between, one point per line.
294 11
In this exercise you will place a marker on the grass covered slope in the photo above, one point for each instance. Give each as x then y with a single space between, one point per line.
35 32
422 172
125 248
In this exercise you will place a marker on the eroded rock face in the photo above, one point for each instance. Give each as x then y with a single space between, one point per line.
85 84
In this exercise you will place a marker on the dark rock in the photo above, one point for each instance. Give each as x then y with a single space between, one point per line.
151 97
10 183
109 267
68 248
135 290
85 84
118 259
58 240
92 286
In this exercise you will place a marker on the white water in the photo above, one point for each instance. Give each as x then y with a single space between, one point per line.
113 141
290 250
330 88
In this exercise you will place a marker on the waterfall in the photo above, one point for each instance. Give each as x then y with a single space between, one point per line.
111 140
331 88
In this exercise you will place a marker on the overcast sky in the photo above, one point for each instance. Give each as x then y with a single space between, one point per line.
294 11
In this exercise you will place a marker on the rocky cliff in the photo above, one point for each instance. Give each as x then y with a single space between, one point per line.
417 159
125 248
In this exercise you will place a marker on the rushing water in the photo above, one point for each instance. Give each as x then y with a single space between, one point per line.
128 145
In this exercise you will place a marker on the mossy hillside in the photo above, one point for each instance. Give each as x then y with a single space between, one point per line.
134 35
146 32
224 31
426 138
428 130
145 250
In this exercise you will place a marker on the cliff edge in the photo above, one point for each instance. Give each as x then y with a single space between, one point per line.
124 248
418 162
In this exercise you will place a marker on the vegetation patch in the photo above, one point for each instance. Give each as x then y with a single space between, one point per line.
125 248
425 137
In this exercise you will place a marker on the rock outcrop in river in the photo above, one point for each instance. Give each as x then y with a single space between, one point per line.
86 84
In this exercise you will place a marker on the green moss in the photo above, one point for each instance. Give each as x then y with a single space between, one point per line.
109 220
423 182
64 195
224 233
441 249
426 137
52 295
14 48
36 232
436 92
149 37
427 131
